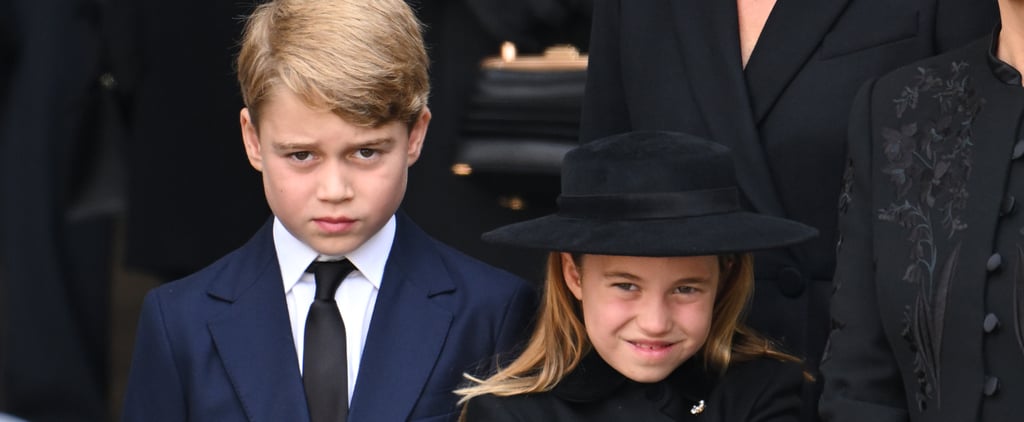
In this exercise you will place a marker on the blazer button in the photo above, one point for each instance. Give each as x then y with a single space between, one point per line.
791 282
991 386
1018 149
1008 204
991 323
994 262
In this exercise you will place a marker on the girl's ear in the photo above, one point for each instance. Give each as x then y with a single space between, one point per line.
571 274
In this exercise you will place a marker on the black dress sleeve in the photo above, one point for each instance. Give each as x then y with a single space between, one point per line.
862 380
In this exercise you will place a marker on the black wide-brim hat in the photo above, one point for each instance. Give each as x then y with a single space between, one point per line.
651 194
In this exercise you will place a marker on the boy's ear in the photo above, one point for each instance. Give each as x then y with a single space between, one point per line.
251 139
571 273
417 133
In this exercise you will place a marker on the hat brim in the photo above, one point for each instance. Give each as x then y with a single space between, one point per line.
705 235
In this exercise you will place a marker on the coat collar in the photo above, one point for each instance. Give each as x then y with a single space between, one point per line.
594 380
791 35
711 56
408 329
253 335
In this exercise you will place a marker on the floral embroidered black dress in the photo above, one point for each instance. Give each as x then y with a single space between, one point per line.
760 390
928 313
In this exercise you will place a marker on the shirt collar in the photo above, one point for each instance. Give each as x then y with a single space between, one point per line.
1003 70
294 256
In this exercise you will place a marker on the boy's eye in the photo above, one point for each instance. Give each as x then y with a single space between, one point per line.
302 155
366 153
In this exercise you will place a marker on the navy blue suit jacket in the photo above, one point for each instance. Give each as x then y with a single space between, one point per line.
217 345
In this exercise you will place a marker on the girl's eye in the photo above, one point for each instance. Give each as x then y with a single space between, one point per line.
629 287
687 290
366 153
302 155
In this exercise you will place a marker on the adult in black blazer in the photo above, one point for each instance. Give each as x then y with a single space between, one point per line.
760 390
676 65
929 306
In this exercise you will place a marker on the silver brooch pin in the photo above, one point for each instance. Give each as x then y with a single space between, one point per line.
697 408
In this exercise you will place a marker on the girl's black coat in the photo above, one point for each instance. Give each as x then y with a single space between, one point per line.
761 390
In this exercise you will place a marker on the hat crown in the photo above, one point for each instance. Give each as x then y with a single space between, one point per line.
651 194
647 162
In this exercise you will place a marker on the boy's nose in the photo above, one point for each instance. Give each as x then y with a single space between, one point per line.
334 184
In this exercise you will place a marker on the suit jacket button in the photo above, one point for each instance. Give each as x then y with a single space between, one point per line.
991 386
791 282
994 262
1008 204
990 323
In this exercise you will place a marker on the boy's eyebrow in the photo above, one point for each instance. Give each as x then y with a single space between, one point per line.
292 145
376 142
298 145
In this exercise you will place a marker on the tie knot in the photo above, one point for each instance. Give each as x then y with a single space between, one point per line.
328 276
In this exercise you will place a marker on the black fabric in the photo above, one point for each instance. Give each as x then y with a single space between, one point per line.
55 254
651 193
651 205
763 390
179 95
324 359
1002 70
927 257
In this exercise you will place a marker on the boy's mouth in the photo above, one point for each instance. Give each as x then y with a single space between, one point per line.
334 224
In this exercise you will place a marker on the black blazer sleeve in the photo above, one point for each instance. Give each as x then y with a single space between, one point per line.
863 382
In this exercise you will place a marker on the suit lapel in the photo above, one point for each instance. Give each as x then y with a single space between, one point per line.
790 36
407 331
708 33
253 336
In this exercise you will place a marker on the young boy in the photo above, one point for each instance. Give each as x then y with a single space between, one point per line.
335 95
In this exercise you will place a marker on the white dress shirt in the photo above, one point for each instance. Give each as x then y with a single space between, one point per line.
356 296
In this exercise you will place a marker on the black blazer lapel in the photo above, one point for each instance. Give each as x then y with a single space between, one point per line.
407 331
254 338
792 33
708 33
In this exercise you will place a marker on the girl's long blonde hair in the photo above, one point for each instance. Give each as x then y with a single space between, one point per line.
559 340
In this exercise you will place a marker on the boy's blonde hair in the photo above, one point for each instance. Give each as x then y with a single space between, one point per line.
364 60
560 341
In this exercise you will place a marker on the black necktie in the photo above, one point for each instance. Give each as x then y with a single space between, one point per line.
324 361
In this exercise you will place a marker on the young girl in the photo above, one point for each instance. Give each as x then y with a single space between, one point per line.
644 296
